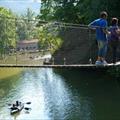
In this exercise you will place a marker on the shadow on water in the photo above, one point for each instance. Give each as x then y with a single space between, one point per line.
97 87
67 94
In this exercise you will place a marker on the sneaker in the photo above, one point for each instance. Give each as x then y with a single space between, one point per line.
98 62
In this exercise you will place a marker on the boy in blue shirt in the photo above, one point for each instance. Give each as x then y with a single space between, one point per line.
101 30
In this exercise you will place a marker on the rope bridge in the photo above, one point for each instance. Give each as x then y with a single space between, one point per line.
20 47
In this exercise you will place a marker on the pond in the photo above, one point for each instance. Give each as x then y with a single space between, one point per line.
67 94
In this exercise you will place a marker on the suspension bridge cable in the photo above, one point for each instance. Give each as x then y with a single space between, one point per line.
55 23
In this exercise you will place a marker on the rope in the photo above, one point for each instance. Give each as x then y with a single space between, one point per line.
58 24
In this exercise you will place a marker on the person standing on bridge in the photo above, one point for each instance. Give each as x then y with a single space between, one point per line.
100 25
114 37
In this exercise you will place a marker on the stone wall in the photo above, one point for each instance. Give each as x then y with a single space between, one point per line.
78 47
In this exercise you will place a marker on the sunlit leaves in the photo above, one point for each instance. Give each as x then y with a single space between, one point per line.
7 30
48 37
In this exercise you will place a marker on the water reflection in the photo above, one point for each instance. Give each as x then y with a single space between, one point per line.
102 92
51 96
60 94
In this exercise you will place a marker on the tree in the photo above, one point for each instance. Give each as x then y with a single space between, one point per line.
48 37
26 26
77 11
47 10
7 30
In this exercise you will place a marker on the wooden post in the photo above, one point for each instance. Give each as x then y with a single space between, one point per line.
16 39
64 61
53 61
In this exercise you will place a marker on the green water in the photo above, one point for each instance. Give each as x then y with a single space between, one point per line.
57 94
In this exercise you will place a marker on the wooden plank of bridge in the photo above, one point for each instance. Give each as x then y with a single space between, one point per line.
81 66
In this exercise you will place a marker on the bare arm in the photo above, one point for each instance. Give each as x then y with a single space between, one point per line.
118 31
106 31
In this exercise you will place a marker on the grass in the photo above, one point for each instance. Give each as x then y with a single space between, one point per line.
22 58
8 72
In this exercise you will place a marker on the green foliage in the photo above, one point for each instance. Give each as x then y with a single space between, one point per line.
21 30
47 10
48 37
77 11
26 26
7 30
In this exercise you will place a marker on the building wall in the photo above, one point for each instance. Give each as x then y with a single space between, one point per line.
23 45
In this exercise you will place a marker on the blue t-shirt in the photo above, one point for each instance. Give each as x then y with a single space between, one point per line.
100 24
